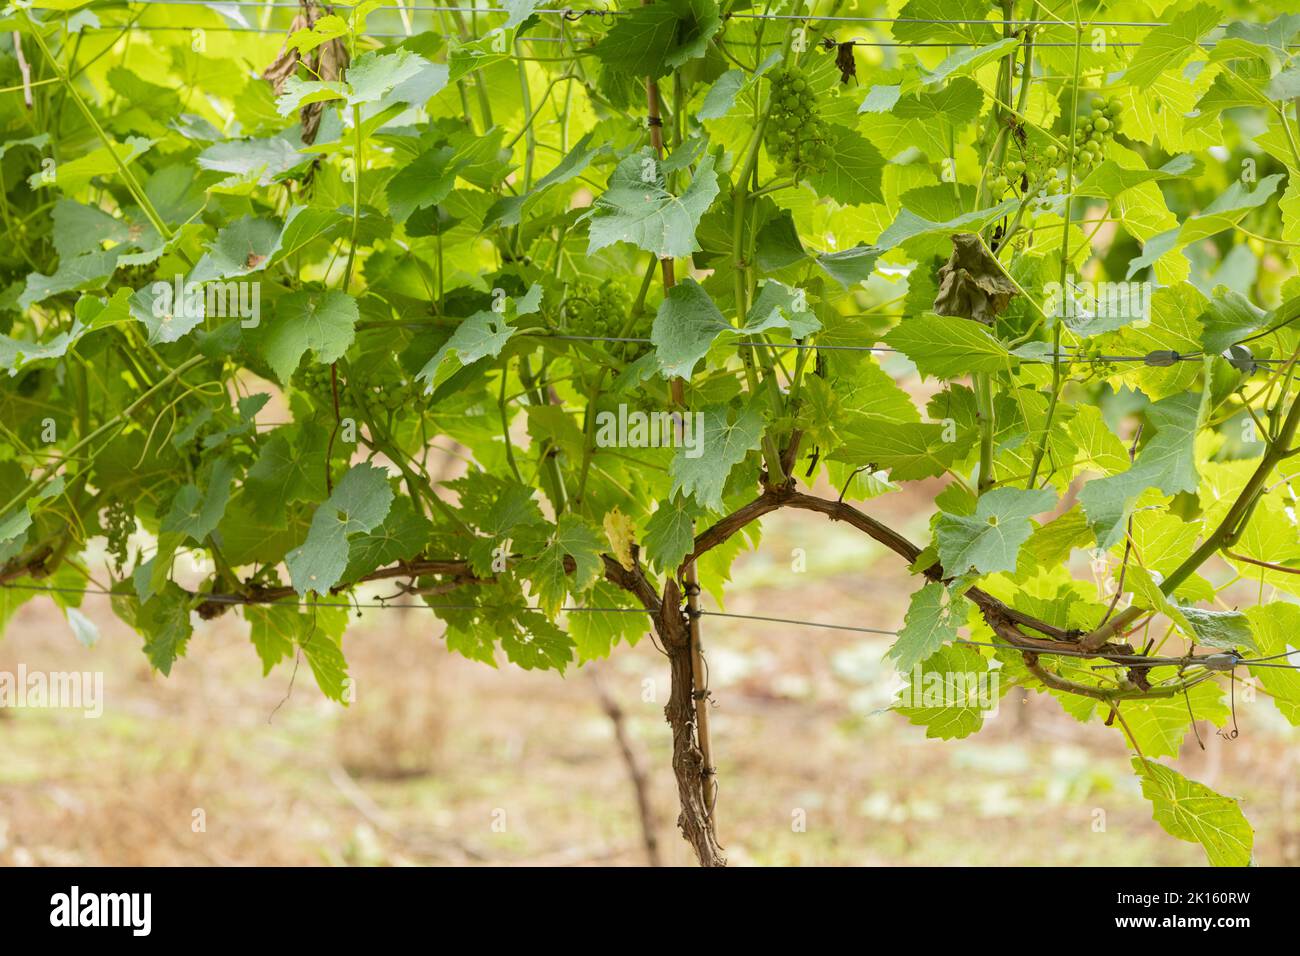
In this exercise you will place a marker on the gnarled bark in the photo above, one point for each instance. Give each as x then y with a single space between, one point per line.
689 765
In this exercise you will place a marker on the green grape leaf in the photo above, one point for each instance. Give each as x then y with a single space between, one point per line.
360 502
1167 462
638 208
852 174
1275 627
701 472
670 532
948 346
657 38
907 450
950 693
573 540
324 322
1193 812
1167 47
932 620
990 539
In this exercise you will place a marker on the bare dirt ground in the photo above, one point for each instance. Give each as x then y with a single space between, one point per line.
444 761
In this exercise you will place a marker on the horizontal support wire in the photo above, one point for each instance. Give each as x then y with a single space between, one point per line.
159 28
238 600
1155 359
570 12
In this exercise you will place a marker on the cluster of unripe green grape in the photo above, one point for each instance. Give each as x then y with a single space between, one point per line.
1094 353
597 309
392 395
314 379
1091 136
1044 173
798 139
119 525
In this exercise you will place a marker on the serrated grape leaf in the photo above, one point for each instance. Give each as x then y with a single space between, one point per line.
1276 627
360 502
907 450
520 10
687 323
964 62
657 38
370 78
937 21
990 539
670 532
595 632
424 181
273 629
483 335
321 645
532 641
164 621
71 176
1161 724
1166 47
79 229
1228 208
777 244
880 99
15 353
89 271
720 446
721 97
948 346
932 620
908 225
245 245
1223 629
324 322
169 310
265 160
638 208
572 540
1167 462
37 142
848 267
1229 317
195 514
512 210
950 693
402 536
276 630
1193 812
852 173
286 472
1110 179
302 226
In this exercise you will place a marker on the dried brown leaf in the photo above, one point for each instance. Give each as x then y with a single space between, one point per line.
972 284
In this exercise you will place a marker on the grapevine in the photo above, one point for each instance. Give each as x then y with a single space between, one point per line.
536 321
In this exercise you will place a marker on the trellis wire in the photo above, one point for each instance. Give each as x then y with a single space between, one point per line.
1149 358
159 28
592 11
236 600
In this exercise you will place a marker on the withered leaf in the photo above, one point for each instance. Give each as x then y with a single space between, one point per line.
844 61
972 284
